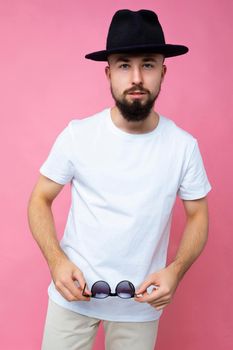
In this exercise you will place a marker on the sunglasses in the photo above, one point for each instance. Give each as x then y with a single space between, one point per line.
101 289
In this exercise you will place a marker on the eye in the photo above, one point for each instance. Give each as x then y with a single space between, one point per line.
148 65
124 66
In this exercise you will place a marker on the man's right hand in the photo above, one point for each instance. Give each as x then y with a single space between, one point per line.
69 280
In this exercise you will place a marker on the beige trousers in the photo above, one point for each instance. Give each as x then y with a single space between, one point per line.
67 330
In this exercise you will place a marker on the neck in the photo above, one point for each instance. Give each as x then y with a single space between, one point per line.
135 127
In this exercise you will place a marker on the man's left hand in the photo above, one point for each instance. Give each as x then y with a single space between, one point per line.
165 281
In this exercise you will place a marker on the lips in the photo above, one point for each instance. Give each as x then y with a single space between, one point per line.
137 93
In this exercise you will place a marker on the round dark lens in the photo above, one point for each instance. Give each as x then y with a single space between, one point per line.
100 290
125 289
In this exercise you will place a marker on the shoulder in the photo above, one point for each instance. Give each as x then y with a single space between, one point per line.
87 123
177 135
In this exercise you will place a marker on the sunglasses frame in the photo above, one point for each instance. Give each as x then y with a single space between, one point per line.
110 294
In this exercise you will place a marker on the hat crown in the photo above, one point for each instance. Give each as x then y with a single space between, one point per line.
134 32
134 28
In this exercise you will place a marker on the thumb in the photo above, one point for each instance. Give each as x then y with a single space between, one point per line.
143 287
78 275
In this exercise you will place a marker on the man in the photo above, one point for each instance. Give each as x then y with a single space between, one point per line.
126 165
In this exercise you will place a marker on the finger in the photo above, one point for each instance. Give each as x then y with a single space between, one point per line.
161 302
65 292
84 291
154 295
160 306
158 302
141 290
78 276
141 296
143 287
75 290
67 283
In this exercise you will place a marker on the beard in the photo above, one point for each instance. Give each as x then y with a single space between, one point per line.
135 110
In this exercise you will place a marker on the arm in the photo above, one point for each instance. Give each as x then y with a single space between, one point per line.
192 243
194 237
42 227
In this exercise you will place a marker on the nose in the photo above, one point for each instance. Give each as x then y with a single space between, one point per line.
136 76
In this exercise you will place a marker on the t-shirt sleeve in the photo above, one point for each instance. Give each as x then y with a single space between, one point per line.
194 183
59 166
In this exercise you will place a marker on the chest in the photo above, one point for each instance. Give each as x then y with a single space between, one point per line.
133 169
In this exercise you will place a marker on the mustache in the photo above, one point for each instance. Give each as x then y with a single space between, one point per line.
136 89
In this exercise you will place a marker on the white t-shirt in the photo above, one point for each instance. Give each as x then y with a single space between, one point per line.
123 188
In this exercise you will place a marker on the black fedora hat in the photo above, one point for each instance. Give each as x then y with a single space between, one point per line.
136 31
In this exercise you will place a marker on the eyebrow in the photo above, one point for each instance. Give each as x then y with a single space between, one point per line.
126 59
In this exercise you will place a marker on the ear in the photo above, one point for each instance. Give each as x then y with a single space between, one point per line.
164 70
107 72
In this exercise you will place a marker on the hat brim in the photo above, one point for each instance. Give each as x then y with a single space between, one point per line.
168 50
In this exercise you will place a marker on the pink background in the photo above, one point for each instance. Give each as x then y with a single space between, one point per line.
45 82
